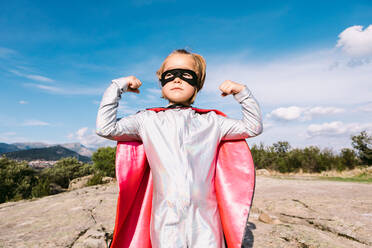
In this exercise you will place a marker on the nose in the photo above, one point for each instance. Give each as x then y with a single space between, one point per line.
177 80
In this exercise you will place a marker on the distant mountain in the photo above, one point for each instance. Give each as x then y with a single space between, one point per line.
30 145
76 147
79 148
49 153
4 147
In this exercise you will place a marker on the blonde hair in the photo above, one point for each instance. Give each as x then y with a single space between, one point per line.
200 69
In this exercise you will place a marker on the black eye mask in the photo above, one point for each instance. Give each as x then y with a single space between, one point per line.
183 74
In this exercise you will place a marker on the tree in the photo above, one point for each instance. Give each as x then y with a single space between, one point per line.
17 180
104 161
363 144
67 169
282 147
348 158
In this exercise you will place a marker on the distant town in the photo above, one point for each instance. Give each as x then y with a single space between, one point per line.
41 164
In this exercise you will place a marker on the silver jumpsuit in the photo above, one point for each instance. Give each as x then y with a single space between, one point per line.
180 146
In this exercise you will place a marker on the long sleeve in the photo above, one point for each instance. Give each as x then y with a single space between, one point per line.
250 125
107 125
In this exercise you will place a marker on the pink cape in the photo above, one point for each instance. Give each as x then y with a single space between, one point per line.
234 183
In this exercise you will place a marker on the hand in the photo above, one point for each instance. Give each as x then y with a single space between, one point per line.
133 84
229 87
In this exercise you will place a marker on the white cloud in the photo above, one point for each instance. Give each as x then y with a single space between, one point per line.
288 114
89 138
310 113
324 110
312 83
154 91
33 77
8 134
81 131
68 90
355 41
6 52
35 123
326 129
11 137
365 107
39 78
303 114
124 109
337 128
48 88
296 80
267 125
23 102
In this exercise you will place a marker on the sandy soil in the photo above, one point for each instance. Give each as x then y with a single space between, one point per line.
285 213
311 213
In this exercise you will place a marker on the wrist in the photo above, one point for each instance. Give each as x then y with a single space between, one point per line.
243 94
121 83
239 88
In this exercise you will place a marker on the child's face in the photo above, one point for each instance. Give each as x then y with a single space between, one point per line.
178 90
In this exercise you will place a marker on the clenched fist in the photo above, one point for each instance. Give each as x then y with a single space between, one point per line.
133 84
229 87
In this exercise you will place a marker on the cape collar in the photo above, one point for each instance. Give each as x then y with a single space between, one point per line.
198 110
177 105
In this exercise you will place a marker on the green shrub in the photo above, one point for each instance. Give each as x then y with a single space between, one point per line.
96 179
280 157
348 159
20 181
67 169
17 180
363 144
104 161
42 188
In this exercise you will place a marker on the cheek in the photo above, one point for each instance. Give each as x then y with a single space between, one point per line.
163 90
191 90
167 87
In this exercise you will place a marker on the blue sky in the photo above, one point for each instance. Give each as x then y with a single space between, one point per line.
308 64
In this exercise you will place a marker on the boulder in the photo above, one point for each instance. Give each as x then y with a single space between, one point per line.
263 172
79 182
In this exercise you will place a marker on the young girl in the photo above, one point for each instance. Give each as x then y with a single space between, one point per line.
180 145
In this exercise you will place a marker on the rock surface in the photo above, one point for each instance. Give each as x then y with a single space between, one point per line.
79 182
285 213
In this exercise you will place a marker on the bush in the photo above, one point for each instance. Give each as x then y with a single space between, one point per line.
20 181
363 144
17 180
65 170
96 179
348 159
104 161
280 157
42 188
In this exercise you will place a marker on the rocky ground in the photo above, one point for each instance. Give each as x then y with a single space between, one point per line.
285 213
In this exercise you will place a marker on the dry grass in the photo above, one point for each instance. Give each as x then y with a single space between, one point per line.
360 174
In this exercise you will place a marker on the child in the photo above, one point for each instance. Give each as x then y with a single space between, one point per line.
180 145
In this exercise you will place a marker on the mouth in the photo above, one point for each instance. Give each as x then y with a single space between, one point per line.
176 88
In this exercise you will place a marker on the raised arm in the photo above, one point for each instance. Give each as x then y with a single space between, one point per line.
251 124
107 125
